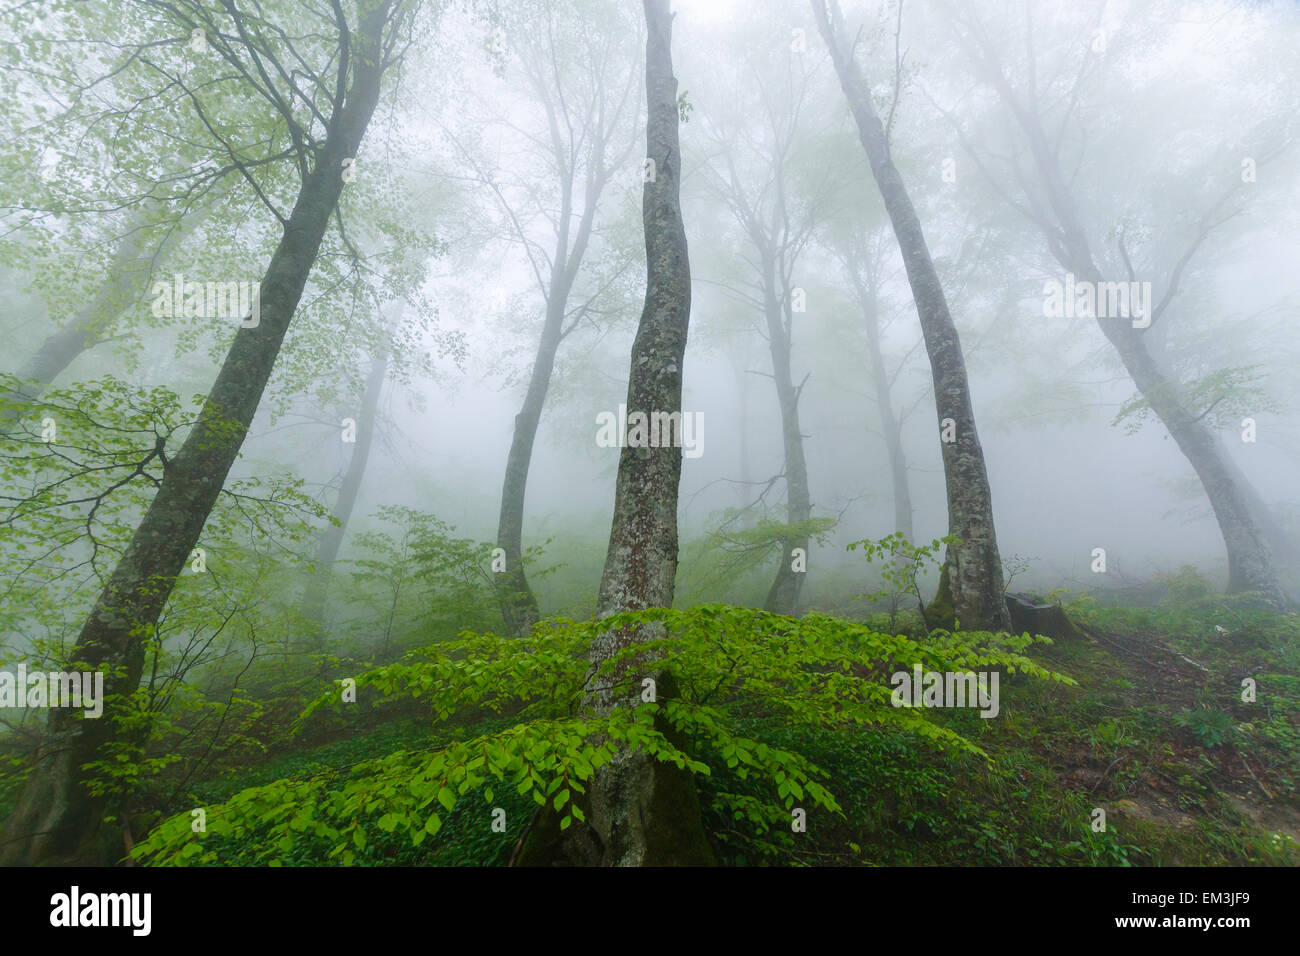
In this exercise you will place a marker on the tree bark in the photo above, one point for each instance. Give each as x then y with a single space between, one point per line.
973 565
641 812
57 819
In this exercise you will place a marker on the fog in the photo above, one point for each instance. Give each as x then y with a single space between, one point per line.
1013 278
1154 155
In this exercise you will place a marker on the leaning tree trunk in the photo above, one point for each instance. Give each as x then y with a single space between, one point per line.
641 812
316 598
514 594
1285 548
783 596
57 819
1250 559
972 574
518 603
128 279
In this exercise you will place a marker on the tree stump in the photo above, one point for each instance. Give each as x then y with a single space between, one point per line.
1031 613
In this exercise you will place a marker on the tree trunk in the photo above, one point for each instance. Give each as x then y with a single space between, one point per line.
1284 546
973 565
641 812
126 285
890 427
327 551
892 430
518 603
57 819
783 596
1250 560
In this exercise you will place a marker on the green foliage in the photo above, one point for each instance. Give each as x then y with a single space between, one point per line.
412 575
733 560
1101 849
902 565
1221 398
1110 734
1211 728
733 665
1185 585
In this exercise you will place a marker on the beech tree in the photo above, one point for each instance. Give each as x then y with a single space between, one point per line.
58 815
972 572
331 540
1050 203
151 233
863 258
643 812
581 89
777 215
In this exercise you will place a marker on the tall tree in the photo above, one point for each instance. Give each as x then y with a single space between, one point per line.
972 572
642 812
583 104
151 234
864 262
58 814
316 597
1051 204
778 223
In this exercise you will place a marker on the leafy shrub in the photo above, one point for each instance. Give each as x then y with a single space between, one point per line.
732 664
1211 728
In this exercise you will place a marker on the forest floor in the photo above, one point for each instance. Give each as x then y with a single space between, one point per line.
1156 734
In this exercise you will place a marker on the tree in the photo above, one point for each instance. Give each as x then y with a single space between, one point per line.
642 812
331 540
584 106
778 223
58 814
148 239
863 260
1052 206
972 572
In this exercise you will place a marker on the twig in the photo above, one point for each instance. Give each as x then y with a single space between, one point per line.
1106 773
1255 778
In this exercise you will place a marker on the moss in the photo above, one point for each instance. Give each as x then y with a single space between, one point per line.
940 613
